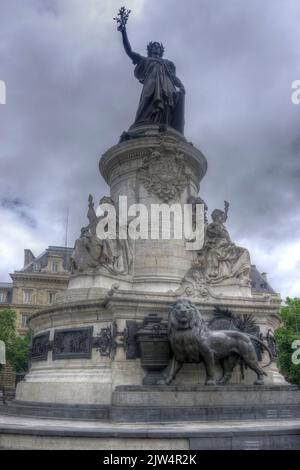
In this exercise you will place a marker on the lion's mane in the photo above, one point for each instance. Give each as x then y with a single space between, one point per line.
186 326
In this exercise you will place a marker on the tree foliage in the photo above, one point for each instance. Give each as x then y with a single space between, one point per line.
290 314
17 347
285 336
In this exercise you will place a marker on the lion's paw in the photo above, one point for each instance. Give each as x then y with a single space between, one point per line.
163 382
221 382
259 382
210 382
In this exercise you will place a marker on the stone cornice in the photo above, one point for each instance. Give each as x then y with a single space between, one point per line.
116 301
27 306
138 149
40 277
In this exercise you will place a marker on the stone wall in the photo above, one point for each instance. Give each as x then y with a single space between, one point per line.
7 377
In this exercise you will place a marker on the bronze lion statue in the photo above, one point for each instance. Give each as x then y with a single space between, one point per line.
192 341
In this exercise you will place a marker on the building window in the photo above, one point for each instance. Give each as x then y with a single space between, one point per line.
2 297
54 267
27 296
51 297
36 267
24 321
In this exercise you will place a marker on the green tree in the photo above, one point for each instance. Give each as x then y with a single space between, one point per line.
285 336
21 353
17 347
290 314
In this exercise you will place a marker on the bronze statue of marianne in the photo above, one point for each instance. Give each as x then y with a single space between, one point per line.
162 98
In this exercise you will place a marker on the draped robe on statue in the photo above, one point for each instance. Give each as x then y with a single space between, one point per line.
221 257
160 102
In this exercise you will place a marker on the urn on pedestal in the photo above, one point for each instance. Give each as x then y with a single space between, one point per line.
154 348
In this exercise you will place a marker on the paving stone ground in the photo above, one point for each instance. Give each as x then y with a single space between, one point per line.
26 424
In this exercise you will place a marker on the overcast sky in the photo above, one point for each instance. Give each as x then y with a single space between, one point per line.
71 93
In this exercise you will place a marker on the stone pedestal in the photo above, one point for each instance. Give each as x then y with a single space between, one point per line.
204 403
82 346
94 378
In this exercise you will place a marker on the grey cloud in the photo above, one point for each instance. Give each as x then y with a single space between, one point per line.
71 93
20 209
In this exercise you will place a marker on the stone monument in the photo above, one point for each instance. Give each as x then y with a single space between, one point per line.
103 351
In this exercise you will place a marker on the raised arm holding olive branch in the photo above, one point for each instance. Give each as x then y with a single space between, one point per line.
121 20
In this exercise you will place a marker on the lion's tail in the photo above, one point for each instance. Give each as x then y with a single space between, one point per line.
255 338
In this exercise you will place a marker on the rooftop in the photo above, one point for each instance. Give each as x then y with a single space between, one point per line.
37 263
259 282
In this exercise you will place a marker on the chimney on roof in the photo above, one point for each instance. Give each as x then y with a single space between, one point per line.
28 257
264 276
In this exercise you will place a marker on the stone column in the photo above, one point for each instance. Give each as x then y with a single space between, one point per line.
155 170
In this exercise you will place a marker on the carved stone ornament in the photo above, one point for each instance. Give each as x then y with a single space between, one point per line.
164 174
197 289
106 341
73 343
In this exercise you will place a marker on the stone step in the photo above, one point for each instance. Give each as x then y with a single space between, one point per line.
40 434
57 411
204 403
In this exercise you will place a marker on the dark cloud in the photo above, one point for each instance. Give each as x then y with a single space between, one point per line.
71 93
20 210
47 6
